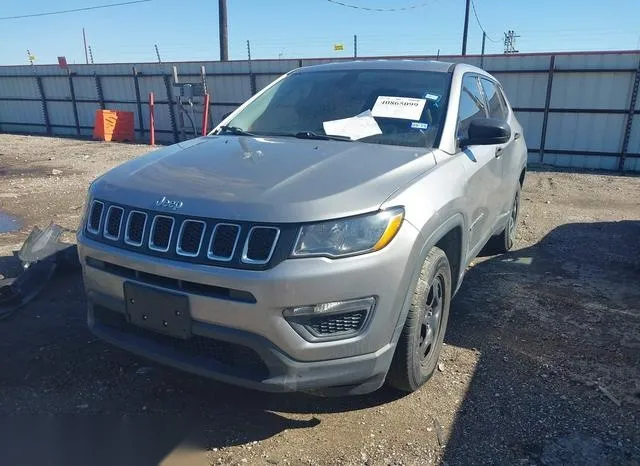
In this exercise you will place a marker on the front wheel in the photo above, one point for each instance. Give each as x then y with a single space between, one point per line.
420 343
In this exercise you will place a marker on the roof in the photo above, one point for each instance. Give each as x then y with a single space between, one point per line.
410 65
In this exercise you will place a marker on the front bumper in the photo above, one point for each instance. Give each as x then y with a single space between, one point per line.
284 359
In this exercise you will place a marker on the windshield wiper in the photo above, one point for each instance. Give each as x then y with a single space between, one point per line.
326 137
234 130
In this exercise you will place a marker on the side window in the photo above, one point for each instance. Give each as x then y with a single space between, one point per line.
471 105
497 107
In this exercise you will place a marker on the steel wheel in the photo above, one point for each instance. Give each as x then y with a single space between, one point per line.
431 319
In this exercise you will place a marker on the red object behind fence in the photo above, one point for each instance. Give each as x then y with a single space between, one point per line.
113 125
205 115
152 121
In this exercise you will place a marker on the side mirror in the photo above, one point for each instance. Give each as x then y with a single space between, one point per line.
487 131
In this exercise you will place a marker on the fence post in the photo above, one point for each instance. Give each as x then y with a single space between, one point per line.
547 102
43 101
152 120
99 90
73 101
172 113
632 109
136 85
254 87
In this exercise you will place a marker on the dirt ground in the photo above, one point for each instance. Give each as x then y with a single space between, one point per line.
541 363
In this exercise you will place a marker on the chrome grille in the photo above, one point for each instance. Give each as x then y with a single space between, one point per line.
161 233
95 217
134 230
190 238
260 243
224 240
113 223
205 241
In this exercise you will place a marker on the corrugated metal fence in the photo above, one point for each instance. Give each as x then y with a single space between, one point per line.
578 109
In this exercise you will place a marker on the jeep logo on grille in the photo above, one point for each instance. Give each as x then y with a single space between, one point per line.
169 204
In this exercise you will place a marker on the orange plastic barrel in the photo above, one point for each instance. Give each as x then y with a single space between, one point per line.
113 125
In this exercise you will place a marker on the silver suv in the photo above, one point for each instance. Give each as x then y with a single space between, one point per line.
314 240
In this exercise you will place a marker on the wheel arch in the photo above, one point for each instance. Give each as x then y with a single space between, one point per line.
450 237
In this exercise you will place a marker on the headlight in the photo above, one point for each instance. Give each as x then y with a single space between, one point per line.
354 235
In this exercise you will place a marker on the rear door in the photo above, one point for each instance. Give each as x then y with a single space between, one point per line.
506 153
484 169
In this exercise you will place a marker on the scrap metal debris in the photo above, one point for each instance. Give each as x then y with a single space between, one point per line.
25 274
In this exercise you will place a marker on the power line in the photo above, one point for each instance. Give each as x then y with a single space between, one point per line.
356 7
96 7
475 13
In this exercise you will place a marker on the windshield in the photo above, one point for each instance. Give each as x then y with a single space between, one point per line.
395 107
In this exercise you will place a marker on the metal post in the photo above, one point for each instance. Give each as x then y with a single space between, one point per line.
172 113
99 90
73 101
205 90
484 39
136 85
222 22
632 108
249 51
547 103
205 115
355 46
84 39
152 120
45 109
157 53
466 27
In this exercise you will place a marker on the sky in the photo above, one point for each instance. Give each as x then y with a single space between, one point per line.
188 29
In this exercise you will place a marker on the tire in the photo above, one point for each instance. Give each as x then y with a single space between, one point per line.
503 242
420 343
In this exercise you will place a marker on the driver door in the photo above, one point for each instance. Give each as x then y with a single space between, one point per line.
483 165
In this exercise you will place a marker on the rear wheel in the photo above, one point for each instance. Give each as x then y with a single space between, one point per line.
420 343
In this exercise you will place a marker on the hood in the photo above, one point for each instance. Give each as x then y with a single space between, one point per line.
265 179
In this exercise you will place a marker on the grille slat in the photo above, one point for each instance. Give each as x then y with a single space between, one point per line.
134 230
190 238
161 233
113 222
260 244
223 241
95 217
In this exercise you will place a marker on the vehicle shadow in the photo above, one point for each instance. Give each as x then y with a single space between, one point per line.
557 329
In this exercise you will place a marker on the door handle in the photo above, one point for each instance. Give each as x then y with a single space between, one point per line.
516 136
498 151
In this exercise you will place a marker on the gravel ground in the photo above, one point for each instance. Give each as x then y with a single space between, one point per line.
541 363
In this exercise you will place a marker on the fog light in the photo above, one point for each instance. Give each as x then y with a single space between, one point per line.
331 321
334 307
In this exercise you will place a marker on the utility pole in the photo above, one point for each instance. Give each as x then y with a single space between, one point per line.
355 46
84 39
249 51
466 27
224 36
157 53
484 39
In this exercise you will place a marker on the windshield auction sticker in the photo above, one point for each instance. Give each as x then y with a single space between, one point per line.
405 108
